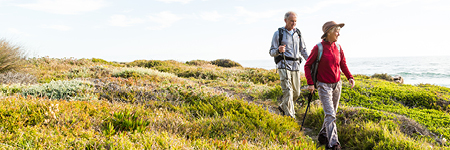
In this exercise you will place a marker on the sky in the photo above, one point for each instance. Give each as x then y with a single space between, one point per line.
184 30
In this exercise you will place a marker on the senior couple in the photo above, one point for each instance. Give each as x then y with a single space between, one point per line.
287 46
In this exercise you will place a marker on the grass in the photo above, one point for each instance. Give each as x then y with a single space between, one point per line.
11 56
428 107
152 104
362 128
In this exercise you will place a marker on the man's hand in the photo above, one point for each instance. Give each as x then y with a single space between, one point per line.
282 48
352 82
311 88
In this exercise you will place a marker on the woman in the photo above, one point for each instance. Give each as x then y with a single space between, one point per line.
329 82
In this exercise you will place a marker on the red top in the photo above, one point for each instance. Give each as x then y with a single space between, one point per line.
329 66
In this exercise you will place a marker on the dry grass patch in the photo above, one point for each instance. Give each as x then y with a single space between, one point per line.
12 57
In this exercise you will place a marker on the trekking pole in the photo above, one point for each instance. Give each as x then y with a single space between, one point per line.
307 107
285 69
285 66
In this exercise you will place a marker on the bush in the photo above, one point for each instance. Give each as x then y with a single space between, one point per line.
274 93
225 63
68 90
98 60
89 72
147 63
383 76
361 76
125 121
198 62
8 90
11 57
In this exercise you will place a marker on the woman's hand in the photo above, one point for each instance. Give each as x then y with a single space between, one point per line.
311 88
352 82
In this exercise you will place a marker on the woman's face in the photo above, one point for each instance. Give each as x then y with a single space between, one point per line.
334 34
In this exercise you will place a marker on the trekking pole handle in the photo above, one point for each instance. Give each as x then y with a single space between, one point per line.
311 95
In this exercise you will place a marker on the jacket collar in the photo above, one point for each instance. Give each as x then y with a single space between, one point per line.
328 43
284 28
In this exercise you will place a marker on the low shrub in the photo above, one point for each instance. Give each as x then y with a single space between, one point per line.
47 69
274 93
148 63
98 71
125 121
225 63
361 76
259 76
115 92
67 90
383 76
98 60
210 72
198 62
7 90
127 90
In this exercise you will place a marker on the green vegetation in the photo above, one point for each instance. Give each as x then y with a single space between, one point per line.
106 62
426 106
198 62
85 104
67 90
225 63
383 76
152 104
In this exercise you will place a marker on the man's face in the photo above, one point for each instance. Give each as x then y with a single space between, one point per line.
291 21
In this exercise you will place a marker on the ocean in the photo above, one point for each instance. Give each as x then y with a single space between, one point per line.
414 70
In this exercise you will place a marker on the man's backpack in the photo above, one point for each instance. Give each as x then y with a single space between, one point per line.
280 38
315 65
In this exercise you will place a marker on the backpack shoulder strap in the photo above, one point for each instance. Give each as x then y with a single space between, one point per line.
338 46
320 51
298 32
280 35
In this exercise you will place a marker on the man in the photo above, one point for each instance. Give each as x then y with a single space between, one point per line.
287 57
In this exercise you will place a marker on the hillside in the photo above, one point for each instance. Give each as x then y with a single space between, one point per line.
151 104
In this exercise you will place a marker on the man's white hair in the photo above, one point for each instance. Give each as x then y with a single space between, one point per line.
289 13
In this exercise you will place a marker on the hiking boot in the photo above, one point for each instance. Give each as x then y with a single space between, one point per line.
336 147
323 140
281 110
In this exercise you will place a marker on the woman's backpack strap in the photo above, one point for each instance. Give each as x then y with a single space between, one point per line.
320 51
338 46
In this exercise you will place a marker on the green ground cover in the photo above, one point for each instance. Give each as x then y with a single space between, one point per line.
152 104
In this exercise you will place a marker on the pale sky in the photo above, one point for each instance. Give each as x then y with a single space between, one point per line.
183 30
